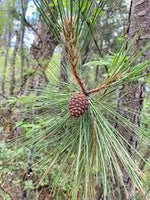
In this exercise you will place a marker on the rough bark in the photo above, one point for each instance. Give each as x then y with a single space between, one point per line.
132 95
44 45
63 69
41 50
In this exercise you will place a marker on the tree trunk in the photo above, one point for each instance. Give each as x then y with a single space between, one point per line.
24 5
43 46
131 96
6 62
42 51
63 69
12 64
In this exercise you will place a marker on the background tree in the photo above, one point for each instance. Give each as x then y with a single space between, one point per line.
132 96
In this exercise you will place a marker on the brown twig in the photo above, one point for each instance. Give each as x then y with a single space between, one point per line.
3 96
70 46
72 52
6 192
105 84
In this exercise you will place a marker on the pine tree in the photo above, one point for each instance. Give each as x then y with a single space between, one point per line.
77 150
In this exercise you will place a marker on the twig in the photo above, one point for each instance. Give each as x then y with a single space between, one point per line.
106 84
3 96
72 52
29 25
147 192
6 192
146 157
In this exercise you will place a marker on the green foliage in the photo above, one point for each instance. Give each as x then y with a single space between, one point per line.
79 153
75 155
2 21
29 185
78 12
53 69
7 15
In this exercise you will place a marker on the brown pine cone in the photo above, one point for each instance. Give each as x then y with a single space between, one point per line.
78 105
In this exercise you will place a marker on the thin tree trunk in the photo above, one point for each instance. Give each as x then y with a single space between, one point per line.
12 64
22 56
24 5
5 62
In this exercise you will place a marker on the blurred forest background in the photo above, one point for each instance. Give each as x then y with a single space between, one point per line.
31 58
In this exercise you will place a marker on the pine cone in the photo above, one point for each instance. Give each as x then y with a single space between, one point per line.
78 105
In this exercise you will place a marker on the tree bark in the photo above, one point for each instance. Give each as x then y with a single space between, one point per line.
131 96
41 50
6 61
44 45
63 69
12 64
24 5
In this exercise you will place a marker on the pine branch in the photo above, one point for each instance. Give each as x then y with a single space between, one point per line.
71 49
106 84
70 45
